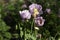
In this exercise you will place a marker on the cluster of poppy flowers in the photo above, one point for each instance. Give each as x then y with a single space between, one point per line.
35 10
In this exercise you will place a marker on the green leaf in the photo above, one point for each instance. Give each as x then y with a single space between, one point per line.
1 37
15 35
21 33
7 35
3 26
10 7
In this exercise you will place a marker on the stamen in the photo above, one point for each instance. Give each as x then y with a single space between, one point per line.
40 21
35 12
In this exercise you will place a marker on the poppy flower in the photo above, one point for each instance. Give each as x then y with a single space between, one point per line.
39 21
25 14
35 9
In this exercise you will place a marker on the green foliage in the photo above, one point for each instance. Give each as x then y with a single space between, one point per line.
3 26
4 31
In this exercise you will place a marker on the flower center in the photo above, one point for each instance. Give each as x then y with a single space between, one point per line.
35 12
40 21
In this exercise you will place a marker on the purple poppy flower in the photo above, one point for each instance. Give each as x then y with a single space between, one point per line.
25 14
35 6
48 10
39 21
35 9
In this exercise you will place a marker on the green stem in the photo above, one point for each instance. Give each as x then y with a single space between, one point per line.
19 30
25 33
32 25
35 31
25 28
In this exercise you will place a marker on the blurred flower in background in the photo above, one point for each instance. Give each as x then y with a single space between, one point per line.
25 14
24 6
39 21
38 35
48 10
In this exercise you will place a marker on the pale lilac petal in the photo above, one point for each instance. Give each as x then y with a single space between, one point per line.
35 6
25 14
39 21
